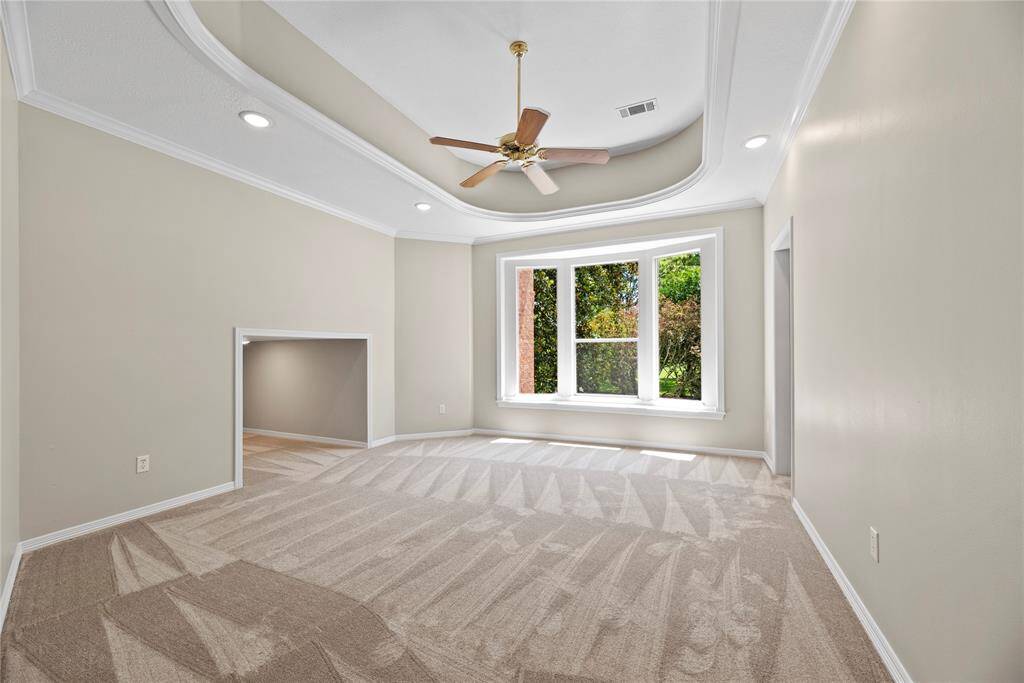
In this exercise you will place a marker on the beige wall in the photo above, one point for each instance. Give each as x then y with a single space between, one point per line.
9 447
904 184
433 336
744 361
308 386
135 268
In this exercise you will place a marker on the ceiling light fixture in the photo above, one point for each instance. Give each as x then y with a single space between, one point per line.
254 119
520 146
422 206
246 341
756 141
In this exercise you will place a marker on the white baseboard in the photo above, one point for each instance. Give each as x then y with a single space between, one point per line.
12 573
122 517
660 445
885 651
305 437
450 434
769 459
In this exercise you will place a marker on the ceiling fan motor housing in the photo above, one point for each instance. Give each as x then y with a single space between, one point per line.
513 151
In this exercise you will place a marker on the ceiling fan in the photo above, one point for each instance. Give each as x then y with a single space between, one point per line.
520 145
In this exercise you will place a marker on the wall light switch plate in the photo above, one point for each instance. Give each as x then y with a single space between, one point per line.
442 409
874 544
142 464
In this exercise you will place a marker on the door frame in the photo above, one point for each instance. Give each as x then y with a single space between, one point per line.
242 334
784 464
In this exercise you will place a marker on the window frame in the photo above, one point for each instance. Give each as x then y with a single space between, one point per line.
646 252
573 381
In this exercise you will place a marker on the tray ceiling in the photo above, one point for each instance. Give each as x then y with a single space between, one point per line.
287 59
447 67
152 74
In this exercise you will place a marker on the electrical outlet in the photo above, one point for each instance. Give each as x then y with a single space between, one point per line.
874 543
442 409
141 464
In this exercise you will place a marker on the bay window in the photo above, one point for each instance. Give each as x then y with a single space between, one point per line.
631 327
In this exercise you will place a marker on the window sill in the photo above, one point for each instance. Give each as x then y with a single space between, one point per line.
661 408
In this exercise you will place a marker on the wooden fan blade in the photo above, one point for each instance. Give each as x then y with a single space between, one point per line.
540 179
578 156
483 174
530 123
465 144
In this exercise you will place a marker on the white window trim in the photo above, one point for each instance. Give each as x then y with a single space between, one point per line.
647 402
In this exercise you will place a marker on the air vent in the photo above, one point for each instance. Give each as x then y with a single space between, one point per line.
638 108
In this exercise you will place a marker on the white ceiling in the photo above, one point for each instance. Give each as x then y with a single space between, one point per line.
142 71
447 67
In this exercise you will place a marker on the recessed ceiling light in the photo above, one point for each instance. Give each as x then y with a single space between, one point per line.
756 141
422 206
254 119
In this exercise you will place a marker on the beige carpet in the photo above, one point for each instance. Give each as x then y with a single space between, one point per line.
457 560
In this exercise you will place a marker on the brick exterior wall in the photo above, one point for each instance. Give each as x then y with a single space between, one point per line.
525 304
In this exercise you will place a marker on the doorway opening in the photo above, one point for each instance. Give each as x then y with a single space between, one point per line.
308 386
782 350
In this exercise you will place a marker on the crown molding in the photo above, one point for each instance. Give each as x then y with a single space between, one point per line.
106 124
19 46
718 207
434 237
180 19
16 34
723 22
814 68
723 27
708 209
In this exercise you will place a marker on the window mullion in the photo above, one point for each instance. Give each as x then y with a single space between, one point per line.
710 286
509 372
566 332
647 321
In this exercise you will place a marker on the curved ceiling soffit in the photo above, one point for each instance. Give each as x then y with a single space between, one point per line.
181 19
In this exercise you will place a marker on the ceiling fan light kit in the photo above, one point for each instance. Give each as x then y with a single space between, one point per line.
520 145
